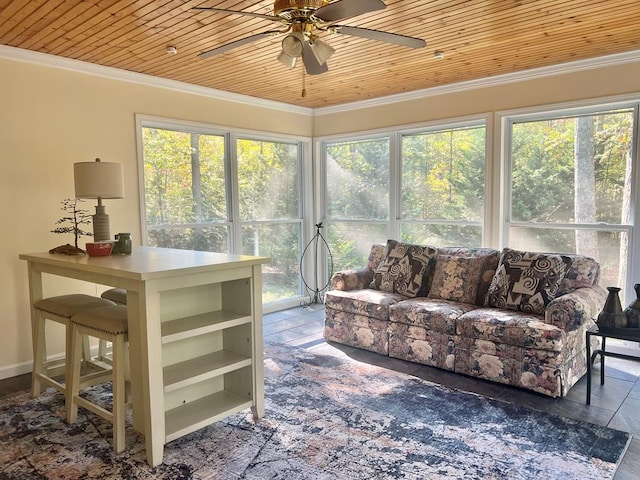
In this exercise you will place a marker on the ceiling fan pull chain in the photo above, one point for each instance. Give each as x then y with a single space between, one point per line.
304 90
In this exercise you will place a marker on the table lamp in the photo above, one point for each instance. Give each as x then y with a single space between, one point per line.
99 180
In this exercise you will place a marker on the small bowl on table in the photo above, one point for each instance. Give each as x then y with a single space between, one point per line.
99 249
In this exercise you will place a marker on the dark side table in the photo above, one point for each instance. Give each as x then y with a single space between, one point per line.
632 335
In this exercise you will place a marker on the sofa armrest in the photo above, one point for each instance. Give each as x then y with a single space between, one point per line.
573 309
354 279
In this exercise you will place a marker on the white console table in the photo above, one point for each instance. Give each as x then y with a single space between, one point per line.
195 333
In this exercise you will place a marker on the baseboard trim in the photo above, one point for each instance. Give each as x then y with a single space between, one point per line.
15 370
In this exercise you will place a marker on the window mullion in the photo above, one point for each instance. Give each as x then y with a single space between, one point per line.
234 197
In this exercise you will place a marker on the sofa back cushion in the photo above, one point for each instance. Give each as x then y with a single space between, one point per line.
487 262
456 278
583 272
403 268
527 281
375 256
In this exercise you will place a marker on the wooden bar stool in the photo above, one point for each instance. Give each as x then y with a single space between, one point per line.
58 309
110 324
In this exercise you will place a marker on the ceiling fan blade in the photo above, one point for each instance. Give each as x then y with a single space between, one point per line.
347 8
239 12
311 64
238 43
380 36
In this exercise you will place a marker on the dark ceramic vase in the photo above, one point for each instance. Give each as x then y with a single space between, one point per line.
612 315
632 312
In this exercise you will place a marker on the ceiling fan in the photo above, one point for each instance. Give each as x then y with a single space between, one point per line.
302 20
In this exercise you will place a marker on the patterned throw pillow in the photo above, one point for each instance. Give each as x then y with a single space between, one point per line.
403 268
527 281
456 278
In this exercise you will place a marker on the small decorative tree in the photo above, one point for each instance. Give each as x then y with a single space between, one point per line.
72 222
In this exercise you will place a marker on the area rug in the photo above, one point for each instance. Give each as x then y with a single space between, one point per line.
326 418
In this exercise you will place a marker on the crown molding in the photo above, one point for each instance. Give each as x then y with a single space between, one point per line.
28 56
22 55
535 73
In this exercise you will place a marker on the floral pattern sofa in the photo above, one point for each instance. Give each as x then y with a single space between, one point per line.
512 317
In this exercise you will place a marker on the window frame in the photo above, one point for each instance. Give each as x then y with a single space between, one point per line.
479 122
233 223
507 119
395 135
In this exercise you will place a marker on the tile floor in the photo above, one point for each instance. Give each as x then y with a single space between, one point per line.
616 404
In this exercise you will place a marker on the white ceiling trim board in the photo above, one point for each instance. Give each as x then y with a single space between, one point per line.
19 54
534 73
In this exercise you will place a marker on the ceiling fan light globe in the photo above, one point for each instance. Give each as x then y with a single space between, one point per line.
321 50
287 60
292 46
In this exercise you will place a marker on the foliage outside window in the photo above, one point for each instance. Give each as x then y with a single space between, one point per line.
441 185
571 187
357 198
185 190
269 205
189 202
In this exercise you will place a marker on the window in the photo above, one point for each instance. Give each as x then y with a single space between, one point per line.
423 186
218 191
357 198
269 211
442 186
185 190
569 179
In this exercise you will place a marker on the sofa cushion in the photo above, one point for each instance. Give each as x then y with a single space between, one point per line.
403 268
375 256
489 257
431 314
510 328
583 272
527 281
456 278
372 303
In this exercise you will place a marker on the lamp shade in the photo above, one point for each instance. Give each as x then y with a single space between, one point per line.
98 179
287 60
321 50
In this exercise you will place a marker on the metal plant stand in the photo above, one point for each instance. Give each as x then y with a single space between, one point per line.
318 242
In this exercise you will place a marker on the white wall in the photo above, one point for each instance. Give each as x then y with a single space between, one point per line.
49 119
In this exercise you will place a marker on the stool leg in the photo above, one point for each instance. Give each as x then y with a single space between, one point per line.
102 350
86 348
39 354
119 393
73 374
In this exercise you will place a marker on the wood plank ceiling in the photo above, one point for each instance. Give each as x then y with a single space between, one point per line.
479 38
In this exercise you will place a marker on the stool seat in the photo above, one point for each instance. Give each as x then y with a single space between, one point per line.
117 295
59 309
68 305
108 324
110 319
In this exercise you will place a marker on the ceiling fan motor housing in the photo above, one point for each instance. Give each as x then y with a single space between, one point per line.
289 8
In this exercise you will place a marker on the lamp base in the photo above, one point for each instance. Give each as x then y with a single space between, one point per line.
101 225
